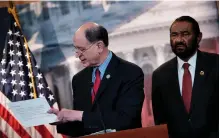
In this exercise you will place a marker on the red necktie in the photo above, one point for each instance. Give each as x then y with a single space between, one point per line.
187 87
96 84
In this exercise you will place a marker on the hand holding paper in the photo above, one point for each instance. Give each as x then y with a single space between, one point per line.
32 112
65 115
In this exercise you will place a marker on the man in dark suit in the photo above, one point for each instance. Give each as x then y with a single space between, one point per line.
185 90
108 92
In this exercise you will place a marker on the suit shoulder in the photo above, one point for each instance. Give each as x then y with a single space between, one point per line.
211 59
129 66
80 73
165 66
211 56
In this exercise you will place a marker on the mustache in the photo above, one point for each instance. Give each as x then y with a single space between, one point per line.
180 43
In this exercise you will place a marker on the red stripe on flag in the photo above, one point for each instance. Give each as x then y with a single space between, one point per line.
64 136
43 131
13 122
2 135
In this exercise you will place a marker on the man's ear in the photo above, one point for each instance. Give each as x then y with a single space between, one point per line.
100 44
199 38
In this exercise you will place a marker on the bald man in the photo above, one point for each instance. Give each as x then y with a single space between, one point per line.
108 92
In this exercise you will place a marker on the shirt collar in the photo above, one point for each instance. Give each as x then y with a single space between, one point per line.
191 61
104 65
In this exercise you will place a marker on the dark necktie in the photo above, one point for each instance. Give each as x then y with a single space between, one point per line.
187 87
96 84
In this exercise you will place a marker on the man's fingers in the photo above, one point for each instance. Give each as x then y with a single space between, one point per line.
60 116
53 111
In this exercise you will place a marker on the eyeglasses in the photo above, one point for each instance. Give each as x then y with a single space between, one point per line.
81 51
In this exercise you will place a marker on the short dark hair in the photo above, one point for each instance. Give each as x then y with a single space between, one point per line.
191 20
98 33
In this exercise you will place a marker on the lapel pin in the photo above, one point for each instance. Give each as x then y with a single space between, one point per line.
202 73
108 76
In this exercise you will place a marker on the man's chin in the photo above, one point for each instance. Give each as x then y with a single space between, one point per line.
85 64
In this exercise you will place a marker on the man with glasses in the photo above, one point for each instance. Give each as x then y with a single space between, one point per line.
108 92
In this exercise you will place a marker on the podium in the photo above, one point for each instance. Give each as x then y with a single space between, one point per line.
159 131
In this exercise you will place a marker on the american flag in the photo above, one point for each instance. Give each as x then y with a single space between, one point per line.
21 79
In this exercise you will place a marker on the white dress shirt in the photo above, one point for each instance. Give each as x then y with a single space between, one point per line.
192 69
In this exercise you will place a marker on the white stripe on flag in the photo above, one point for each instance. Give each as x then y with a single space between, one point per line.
53 131
7 129
31 131
4 100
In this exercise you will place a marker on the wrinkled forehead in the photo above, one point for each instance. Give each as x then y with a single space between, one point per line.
181 27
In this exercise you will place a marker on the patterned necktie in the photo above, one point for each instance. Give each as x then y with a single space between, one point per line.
96 84
187 87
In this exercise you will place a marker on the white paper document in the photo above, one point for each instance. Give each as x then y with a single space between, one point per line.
103 131
32 112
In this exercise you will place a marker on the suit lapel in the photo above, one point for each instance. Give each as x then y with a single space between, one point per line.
175 79
108 76
175 94
86 89
198 92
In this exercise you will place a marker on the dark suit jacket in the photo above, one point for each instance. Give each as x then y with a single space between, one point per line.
118 101
168 106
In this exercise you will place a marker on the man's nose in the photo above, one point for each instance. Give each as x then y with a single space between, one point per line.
179 38
77 54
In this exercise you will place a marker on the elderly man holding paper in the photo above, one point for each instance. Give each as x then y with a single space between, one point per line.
108 92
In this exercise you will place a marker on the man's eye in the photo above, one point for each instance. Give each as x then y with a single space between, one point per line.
185 34
173 35
80 49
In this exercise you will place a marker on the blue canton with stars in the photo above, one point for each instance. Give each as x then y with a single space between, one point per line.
15 75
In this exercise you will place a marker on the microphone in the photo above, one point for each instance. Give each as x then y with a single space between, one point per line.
100 113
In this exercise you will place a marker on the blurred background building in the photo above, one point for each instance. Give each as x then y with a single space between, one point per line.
138 32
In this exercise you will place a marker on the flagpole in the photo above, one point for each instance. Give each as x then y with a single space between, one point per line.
12 10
